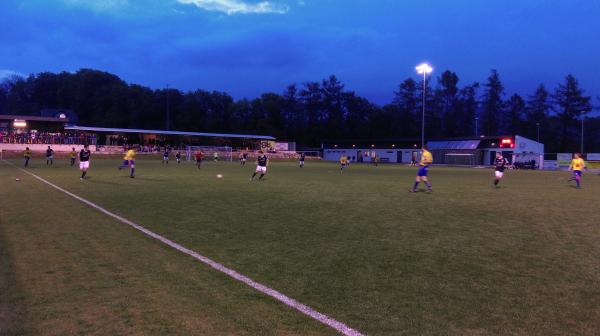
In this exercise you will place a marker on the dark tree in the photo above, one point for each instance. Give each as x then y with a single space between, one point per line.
447 103
468 110
358 111
537 112
492 104
570 105
402 115
312 99
333 106
314 111
513 122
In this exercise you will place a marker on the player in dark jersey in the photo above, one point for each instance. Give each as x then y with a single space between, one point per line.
244 158
302 157
261 165
500 164
49 156
178 157
166 157
84 161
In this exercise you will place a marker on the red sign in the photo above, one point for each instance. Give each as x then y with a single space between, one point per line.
507 143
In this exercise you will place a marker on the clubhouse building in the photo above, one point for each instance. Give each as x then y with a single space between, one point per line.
468 151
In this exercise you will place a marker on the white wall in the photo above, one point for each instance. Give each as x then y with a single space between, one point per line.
43 147
524 145
390 154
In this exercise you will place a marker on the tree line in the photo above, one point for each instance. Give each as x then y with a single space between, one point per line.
314 111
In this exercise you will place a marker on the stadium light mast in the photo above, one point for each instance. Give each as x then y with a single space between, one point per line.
168 110
582 118
423 69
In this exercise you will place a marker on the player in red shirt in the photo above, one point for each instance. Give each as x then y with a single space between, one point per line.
199 155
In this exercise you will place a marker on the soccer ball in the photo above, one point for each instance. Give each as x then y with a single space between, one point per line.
219 176
17 179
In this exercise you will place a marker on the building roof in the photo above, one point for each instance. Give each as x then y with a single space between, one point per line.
144 131
460 144
32 118
414 140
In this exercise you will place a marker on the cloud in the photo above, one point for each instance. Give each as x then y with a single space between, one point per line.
99 5
232 7
5 73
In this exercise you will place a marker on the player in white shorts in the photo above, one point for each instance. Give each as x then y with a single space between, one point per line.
261 165
499 165
166 156
84 161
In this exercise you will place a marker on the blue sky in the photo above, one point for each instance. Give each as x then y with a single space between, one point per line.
248 47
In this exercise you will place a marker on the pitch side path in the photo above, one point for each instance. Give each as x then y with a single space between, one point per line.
359 250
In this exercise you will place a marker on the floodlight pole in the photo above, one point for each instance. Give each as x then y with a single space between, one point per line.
168 110
423 117
424 69
582 118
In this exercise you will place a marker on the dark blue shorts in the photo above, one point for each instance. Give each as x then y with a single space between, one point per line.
423 170
577 173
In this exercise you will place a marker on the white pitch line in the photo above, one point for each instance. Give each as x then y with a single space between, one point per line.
337 325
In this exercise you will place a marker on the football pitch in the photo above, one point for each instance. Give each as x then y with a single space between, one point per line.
466 259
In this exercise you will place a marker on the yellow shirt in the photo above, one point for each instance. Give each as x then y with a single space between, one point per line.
73 154
129 155
577 164
426 158
343 160
27 153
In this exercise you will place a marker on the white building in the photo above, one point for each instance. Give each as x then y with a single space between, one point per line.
455 151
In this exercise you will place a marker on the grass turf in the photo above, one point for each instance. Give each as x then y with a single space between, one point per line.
465 259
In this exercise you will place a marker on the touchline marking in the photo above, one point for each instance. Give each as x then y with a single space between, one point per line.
337 325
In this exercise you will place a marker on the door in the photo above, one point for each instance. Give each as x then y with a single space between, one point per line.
492 158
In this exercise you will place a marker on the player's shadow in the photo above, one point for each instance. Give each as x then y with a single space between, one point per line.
143 179
96 181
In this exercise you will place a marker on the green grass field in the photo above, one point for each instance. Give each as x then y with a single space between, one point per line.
467 259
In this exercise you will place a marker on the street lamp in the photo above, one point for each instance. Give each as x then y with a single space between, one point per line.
168 110
423 69
582 118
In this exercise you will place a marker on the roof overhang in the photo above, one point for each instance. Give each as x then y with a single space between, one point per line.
33 118
145 131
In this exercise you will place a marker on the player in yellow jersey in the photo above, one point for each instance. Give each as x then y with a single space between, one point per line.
27 156
343 163
72 156
426 160
129 160
577 166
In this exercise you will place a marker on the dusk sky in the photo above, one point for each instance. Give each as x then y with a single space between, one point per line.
247 47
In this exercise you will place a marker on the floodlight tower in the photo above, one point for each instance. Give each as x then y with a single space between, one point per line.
423 69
